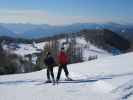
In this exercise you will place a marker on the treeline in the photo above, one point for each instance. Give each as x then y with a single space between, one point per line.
106 39
29 41
6 65
12 63
15 40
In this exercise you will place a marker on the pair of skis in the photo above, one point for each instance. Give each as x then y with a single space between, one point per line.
56 82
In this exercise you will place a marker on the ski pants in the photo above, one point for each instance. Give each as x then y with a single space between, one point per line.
64 67
50 72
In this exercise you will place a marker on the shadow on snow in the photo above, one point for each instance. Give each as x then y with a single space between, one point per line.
17 82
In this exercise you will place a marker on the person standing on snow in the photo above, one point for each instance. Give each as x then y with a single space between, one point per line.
49 62
63 61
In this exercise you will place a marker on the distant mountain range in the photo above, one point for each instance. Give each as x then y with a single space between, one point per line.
37 31
6 32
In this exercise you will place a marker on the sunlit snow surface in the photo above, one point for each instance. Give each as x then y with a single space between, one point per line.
109 78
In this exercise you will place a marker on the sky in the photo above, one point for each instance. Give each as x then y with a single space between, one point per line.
62 12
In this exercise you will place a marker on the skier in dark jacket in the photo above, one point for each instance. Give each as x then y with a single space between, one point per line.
49 62
63 61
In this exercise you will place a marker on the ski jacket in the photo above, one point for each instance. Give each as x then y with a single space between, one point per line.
62 58
49 61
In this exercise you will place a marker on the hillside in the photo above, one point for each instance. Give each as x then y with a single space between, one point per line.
25 49
30 57
103 79
102 38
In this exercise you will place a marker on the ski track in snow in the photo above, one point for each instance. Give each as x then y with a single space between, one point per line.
82 83
125 90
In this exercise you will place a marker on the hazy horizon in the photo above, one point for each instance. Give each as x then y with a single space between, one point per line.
66 12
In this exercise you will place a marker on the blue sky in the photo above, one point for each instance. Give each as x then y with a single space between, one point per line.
58 12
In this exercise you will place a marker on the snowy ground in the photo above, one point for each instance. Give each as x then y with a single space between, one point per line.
26 49
109 78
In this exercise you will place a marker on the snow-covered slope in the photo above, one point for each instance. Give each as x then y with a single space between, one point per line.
29 48
109 78
25 49
88 50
